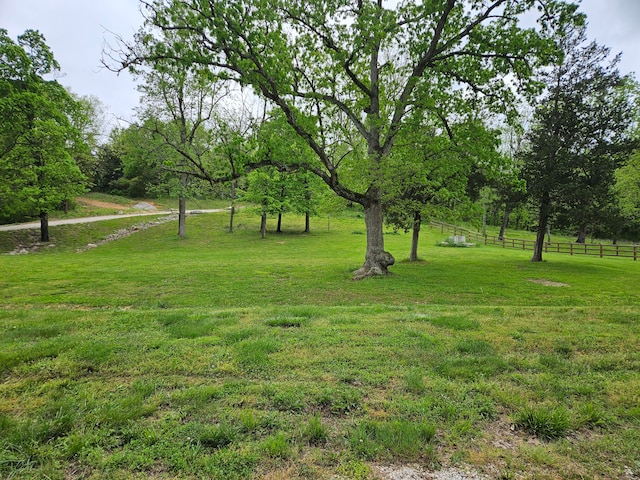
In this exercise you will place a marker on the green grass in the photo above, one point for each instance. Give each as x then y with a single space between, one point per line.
231 357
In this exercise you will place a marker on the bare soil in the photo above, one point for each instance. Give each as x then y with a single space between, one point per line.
100 204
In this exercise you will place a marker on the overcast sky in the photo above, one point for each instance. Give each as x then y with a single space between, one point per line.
76 31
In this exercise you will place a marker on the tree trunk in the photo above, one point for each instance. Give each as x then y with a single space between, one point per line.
279 228
376 259
182 217
505 222
44 227
182 207
232 211
263 225
582 234
307 223
417 221
543 221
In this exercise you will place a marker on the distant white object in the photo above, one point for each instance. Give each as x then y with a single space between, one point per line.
457 239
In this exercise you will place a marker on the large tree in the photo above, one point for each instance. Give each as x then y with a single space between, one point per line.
580 135
37 136
347 72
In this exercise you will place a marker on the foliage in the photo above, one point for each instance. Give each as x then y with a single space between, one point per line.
581 133
627 192
38 139
283 187
345 78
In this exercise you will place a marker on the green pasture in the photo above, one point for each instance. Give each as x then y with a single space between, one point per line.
227 356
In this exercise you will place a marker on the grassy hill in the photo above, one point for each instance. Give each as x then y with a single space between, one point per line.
227 356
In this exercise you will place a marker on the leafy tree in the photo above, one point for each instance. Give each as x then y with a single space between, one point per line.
141 153
430 170
295 189
89 119
37 137
580 134
180 107
346 73
626 191
266 188
508 186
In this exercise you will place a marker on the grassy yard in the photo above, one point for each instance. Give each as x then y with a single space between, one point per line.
230 357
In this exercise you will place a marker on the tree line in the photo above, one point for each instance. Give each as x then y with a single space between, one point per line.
448 109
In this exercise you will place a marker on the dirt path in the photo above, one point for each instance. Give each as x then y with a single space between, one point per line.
71 221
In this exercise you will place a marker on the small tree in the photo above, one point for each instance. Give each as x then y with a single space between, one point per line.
430 174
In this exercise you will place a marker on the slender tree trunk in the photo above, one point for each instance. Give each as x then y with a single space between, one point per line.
543 221
232 211
44 227
182 217
582 234
505 222
307 223
263 225
182 208
279 227
417 222
263 220
376 259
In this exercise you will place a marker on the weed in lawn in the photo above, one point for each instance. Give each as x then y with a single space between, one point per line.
455 322
543 421
354 469
210 436
253 355
277 446
592 416
396 438
414 381
288 399
315 432
474 346
196 397
339 400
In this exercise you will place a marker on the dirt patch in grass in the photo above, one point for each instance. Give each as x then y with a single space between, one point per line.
100 204
547 283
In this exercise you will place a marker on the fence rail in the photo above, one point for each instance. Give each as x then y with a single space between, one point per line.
571 248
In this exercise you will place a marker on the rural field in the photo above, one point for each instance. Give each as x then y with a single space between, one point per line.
225 356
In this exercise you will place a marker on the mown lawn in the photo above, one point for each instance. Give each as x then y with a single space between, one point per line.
227 356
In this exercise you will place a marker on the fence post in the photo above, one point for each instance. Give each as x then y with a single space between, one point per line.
601 251
635 252
570 248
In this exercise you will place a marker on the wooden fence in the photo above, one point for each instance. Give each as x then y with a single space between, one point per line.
595 249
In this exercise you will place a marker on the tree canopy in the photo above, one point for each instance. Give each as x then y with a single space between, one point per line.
346 74
37 135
